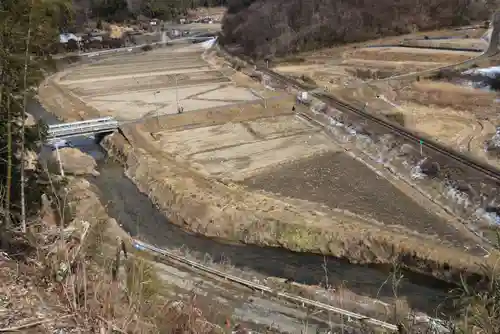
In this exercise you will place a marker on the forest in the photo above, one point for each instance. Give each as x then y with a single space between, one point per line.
121 10
267 28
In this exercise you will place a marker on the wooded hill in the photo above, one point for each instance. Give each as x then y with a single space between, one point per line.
260 28
120 10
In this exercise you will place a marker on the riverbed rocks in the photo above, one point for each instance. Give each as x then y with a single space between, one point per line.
75 162
30 120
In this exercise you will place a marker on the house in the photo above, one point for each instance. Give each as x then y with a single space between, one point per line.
66 37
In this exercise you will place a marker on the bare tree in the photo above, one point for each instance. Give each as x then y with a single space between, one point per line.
23 120
298 25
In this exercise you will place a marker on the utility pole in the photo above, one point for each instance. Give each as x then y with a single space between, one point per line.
176 93
157 110
59 159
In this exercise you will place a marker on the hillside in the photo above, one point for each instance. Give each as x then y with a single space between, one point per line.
260 28
120 10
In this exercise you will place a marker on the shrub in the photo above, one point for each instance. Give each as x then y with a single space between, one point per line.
147 48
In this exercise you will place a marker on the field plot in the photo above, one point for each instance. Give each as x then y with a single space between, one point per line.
409 54
154 84
460 117
340 182
239 150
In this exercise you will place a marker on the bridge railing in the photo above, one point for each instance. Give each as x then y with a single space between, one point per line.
81 123
84 127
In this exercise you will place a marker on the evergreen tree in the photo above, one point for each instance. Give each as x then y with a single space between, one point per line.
28 31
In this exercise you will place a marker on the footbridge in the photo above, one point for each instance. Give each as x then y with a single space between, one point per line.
82 128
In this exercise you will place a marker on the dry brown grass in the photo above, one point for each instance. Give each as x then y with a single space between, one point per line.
395 54
454 43
370 73
407 66
445 94
77 276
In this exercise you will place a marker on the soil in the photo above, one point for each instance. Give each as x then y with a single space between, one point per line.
338 181
237 150
74 162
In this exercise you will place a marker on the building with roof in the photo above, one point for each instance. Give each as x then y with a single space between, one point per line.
66 37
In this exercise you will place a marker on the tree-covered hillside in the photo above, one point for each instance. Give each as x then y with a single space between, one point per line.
119 10
277 27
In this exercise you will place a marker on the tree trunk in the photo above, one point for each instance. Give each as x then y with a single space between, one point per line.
9 162
23 123
2 87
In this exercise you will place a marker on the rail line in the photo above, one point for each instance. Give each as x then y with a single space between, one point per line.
485 169
264 289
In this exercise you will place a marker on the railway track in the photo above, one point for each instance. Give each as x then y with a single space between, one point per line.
489 171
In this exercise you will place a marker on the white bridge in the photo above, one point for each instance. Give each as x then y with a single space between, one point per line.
82 128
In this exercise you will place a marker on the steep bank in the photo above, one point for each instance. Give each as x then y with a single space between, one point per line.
229 211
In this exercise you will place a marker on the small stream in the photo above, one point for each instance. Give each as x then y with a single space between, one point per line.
140 218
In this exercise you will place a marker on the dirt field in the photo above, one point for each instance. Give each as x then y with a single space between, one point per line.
153 84
238 150
337 181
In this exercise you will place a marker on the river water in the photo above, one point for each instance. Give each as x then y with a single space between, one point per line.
140 218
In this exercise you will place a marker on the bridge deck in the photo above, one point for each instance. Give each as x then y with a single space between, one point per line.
87 127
